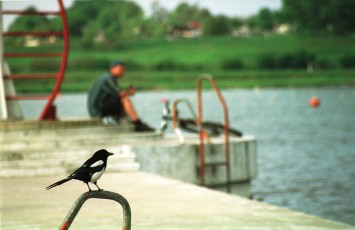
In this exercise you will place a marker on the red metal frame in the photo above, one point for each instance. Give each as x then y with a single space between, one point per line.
202 135
32 55
16 12
28 97
38 34
48 112
32 76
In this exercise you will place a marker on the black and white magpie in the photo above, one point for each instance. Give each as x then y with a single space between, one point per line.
90 171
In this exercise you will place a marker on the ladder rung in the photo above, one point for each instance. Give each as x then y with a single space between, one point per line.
34 55
30 12
27 97
225 184
215 164
218 185
32 76
39 34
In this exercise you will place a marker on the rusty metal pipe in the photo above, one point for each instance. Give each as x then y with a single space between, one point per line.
175 117
200 120
126 225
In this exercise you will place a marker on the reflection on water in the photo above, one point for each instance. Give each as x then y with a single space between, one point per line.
306 156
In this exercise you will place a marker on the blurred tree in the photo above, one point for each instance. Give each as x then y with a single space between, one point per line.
185 13
116 24
341 16
219 25
82 13
159 13
265 19
251 21
28 23
321 15
236 22
182 14
155 26
306 15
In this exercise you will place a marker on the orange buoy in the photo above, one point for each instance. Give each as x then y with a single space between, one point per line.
314 102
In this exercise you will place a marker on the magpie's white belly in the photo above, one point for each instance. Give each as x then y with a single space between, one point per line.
97 175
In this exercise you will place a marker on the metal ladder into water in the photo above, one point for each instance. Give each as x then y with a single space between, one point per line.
48 112
226 162
203 134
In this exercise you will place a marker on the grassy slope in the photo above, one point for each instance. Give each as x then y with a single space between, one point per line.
212 50
208 52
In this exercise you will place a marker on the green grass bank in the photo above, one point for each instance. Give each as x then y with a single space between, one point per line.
258 61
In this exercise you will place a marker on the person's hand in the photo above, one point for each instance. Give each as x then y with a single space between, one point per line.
131 90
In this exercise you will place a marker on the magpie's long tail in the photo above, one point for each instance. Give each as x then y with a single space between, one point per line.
58 183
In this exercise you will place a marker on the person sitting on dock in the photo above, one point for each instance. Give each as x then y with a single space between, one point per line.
107 100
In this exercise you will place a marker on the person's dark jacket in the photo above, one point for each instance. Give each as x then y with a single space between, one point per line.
103 89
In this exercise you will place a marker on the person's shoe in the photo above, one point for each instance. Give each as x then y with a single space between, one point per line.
109 120
139 126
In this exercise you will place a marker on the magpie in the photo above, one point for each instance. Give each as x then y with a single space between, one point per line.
90 171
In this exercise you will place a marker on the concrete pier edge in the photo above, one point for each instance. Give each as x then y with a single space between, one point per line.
156 203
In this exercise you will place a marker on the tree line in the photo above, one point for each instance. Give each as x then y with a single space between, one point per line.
110 24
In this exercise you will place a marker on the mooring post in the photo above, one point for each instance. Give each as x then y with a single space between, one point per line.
126 225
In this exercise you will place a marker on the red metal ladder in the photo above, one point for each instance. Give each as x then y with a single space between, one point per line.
48 112
202 135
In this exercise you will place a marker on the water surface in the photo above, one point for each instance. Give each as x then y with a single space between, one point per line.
306 156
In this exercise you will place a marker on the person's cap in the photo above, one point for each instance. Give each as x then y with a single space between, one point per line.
116 63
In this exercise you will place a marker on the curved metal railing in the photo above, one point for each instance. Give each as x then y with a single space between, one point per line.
126 223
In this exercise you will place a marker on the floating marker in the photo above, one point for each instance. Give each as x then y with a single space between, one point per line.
314 102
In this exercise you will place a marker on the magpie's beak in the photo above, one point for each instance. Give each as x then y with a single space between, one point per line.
110 154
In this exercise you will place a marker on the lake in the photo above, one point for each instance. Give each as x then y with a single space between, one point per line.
306 156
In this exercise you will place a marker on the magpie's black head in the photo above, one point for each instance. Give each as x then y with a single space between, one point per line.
102 154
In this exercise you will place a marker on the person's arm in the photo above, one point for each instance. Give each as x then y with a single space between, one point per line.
128 92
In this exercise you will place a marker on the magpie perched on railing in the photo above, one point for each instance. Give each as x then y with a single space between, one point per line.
90 171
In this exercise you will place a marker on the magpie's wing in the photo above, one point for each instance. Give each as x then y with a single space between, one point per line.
92 162
87 169
79 171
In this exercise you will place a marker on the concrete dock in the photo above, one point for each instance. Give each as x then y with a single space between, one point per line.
32 148
156 203
35 154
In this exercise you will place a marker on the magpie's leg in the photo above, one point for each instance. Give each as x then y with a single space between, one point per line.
99 189
87 184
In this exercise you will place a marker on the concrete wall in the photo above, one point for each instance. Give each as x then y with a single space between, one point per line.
169 158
